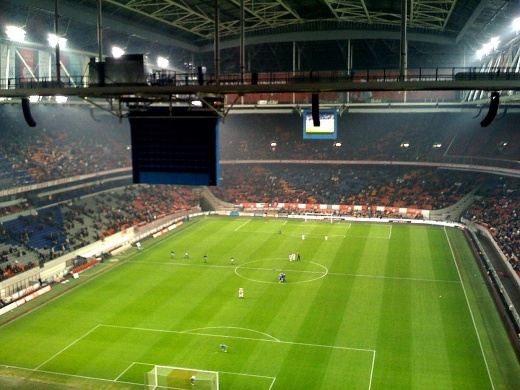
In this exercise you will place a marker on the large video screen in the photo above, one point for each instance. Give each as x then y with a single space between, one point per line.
328 128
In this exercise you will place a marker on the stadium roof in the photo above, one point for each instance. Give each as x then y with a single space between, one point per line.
440 32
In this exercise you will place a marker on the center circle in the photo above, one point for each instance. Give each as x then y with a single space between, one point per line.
268 271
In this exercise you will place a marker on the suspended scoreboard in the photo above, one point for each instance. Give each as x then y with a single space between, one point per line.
328 125
175 145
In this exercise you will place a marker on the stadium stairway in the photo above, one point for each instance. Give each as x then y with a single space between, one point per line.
454 212
210 202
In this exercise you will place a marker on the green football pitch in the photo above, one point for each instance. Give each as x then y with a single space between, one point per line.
368 306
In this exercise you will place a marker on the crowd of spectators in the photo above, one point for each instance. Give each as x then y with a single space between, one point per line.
498 210
80 222
70 141
436 137
407 187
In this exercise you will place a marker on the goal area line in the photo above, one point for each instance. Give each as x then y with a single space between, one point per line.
269 380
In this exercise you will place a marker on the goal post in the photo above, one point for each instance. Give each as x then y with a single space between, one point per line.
180 378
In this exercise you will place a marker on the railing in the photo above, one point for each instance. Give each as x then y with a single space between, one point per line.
170 78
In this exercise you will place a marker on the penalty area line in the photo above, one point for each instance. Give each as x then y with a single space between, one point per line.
68 346
244 224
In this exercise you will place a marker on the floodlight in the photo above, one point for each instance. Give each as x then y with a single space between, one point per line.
162 62
117 52
486 49
54 40
337 144
437 145
34 98
405 144
15 34
494 42
196 103
61 99
516 25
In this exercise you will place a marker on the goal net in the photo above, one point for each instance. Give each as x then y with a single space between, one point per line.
165 377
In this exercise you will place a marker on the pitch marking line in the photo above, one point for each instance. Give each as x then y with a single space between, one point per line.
130 367
470 310
272 339
67 347
138 385
192 331
272 378
244 224
394 278
242 266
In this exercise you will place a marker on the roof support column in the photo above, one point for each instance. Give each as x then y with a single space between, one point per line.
217 42
100 63
349 65
57 33
403 65
242 42
100 29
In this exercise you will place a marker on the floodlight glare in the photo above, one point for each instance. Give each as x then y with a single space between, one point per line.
117 52
15 34
494 42
162 62
54 40
516 24
486 49
34 98
61 99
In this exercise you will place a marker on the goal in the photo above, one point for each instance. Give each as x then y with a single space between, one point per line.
166 377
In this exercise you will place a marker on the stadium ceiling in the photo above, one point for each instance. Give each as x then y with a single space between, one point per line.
440 32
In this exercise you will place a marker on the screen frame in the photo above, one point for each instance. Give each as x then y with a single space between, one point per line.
326 134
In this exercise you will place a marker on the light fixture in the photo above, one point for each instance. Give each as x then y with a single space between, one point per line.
61 99
34 98
162 62
15 34
487 48
516 25
405 144
54 40
337 144
494 42
437 145
117 52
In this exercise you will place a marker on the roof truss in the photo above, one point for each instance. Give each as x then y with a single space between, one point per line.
272 14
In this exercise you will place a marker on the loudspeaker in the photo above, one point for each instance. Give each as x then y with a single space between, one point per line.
26 108
493 108
315 110
200 76
254 78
